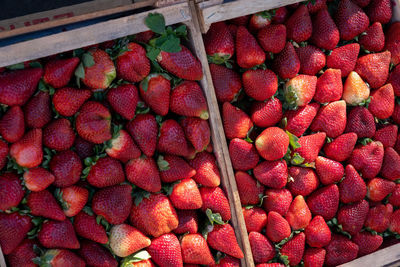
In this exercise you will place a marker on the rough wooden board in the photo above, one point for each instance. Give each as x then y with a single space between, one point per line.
396 10
2 260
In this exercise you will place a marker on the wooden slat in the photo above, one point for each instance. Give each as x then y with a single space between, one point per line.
396 10
161 3
387 257
2 260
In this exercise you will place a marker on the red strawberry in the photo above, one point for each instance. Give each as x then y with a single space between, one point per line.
331 119
28 151
96 255
394 80
23 254
340 149
344 58
280 16
186 195
299 120
391 164
356 91
144 131
287 64
328 171
233 30
302 181
394 199
215 199
368 159
100 75
86 226
329 86
197 131
279 200
72 199
310 145
374 39
227 82
314 257
155 90
350 20
11 191
262 249
255 219
18 86
312 60
340 250
378 217
392 42
298 215
352 188
248 52
352 216
12 124
123 100
125 240
207 173
44 204
37 112
272 143
133 65
61 257
379 11
379 188
222 238
277 227
314 7
382 102
172 139
361 122
293 250
83 148
240 21
195 250
324 201
66 167
362 3
394 225
260 84
59 135
57 73
13 229
173 168
273 174
37 179
56 234
243 154
259 21
165 250
188 222
67 101
318 233
325 34
300 90
374 68
272 38
236 122
122 147
267 113
219 42
249 189
299 27
3 154
367 242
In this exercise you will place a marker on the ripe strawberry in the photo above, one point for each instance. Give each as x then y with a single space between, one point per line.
227 82
272 38
293 250
240 21
215 199
350 20
113 203
260 84
85 225
391 164
255 219
387 135
133 65
379 11
303 181
3 154
273 174
66 167
144 131
394 80
57 73
195 250
394 224
378 217
243 154
310 145
37 179
233 30
356 91
61 257
396 114
287 64
165 250
314 257
23 254
267 113
278 227
236 122
207 173
100 75
72 199
219 42
298 215
367 242
123 148
83 148
155 90
300 90
58 234
299 120
259 20
352 216
379 188
37 111
222 238
248 52
279 200
18 86
392 42
154 215
249 189
172 139
344 58
374 68
262 249
123 99
352 188
314 7
312 60
188 222
280 16
13 229
361 122
11 191
328 171
324 201
374 39
96 255
382 102
197 131
331 119
67 101
368 159
362 3
12 124
59 135
299 26
173 168
340 250
318 233
186 195
44 204
272 143
125 240
329 86
325 34
28 151
394 198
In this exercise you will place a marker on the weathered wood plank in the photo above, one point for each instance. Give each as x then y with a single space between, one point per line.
387 257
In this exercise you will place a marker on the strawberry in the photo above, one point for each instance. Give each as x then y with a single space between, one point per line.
123 99
362 3
57 73
122 147
227 82
280 16
368 159
37 179
314 257
260 84
106 172
144 131
303 181
279 200
298 215
197 131
182 64
93 122
287 64
186 195
248 52
96 255
379 188
293 250
396 114
12 124
233 30
272 143
37 111
255 219
374 39
394 198
392 42
125 240
350 20
11 191
367 242
299 120
207 173
352 216
165 250
344 58
329 86
267 113
83 148
154 215
379 11
222 238
99 75
240 21
361 122
155 90
356 91
173 168
236 122
249 189
394 224
259 20
331 119
272 38
67 101
58 234
133 65
66 167
262 249
215 199
310 145
300 90
325 34
72 199
329 171
60 257
219 42
374 68
378 217
44 204
382 102
188 222
23 254
318 233
324 201
172 139
312 60
3 154
28 151
195 250
243 154
299 26
273 174
394 80
13 229
58 135
391 164
144 37
352 188
314 7
85 225
278 227
340 250
18 86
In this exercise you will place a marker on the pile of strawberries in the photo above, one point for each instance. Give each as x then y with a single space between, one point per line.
106 159
308 95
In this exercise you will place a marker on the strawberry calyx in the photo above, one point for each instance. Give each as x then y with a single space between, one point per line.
334 224
214 217
101 221
138 196
220 59
87 61
46 258
162 164
291 97
135 257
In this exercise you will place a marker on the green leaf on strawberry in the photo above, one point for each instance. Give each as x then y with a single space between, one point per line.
163 165
136 257
155 22
214 217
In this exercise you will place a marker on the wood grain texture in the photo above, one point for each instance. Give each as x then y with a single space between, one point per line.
2 259
396 10
387 257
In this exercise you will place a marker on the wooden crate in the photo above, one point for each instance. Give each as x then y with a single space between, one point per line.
181 13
